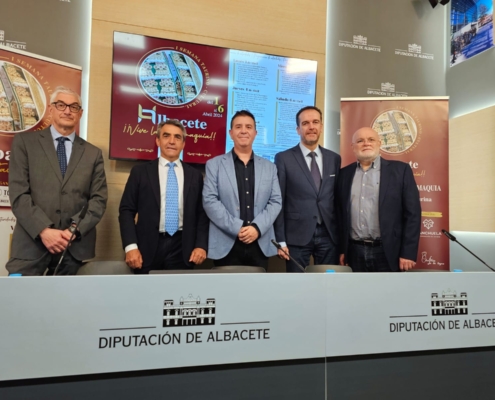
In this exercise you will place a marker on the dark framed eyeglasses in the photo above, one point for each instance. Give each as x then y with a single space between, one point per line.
61 106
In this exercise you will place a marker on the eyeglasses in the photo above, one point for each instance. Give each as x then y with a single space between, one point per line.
61 106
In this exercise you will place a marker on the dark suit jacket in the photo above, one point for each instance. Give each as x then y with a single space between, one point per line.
297 221
399 210
40 197
142 196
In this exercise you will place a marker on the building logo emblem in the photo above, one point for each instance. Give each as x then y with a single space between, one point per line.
386 89
11 43
359 42
360 39
189 312
428 223
414 48
414 51
449 304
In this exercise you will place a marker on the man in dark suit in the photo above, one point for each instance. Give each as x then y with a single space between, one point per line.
172 228
380 210
307 224
53 175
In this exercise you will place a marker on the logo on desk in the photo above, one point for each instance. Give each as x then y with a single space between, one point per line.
449 304
188 312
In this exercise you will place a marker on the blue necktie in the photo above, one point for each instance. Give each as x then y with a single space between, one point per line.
171 202
62 156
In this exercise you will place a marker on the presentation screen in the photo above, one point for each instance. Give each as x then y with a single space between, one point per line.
202 86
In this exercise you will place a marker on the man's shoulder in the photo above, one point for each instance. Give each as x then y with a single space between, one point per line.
31 136
288 152
191 170
87 145
328 152
142 166
396 164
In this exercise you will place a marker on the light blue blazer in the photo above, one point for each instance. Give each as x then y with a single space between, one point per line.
221 203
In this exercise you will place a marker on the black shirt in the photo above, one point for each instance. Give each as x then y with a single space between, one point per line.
244 174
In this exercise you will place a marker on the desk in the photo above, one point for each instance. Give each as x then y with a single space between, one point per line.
94 325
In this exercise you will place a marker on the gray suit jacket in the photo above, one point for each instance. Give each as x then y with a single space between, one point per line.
40 197
221 203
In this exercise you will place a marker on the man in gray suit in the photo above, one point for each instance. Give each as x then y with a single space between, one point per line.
241 196
53 175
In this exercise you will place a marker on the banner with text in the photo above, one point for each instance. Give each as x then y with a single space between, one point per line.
415 131
202 86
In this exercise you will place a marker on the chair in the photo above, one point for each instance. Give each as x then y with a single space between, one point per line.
241 269
427 270
325 268
105 268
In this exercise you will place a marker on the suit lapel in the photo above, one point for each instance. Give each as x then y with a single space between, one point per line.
187 180
327 165
228 165
384 180
258 173
298 155
76 154
152 170
46 142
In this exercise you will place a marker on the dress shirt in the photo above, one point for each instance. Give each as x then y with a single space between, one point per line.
68 143
244 174
163 175
365 192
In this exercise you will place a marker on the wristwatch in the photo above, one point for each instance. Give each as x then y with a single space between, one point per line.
73 228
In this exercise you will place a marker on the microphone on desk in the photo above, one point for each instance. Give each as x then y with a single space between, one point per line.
73 230
277 245
453 239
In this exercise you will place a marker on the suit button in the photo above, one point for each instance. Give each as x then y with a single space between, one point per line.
64 192
315 217
58 211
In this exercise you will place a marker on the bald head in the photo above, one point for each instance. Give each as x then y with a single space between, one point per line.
366 145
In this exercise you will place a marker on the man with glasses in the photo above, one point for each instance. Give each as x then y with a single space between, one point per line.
172 228
53 175
379 208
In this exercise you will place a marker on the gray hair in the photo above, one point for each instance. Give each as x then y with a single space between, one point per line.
174 122
66 90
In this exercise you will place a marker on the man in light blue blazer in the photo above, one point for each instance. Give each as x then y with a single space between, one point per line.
241 196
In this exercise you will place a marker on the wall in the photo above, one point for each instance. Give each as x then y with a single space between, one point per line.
295 29
472 187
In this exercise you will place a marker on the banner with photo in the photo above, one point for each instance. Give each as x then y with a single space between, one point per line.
413 130
26 83
155 79
471 24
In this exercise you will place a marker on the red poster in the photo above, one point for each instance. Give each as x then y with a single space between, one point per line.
156 79
415 131
26 83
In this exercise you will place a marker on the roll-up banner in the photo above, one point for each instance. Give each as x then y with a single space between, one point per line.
413 130
26 84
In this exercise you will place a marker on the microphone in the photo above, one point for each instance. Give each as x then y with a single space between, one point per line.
277 245
82 214
453 238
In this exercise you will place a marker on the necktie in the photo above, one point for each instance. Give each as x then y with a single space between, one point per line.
171 201
62 156
315 172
